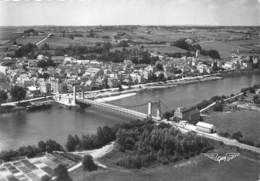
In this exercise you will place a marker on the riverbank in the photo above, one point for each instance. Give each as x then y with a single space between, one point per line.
239 73
27 128
113 98
115 94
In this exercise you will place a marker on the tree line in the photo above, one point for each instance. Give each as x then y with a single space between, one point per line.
144 142
31 150
17 93
100 51
103 136
186 45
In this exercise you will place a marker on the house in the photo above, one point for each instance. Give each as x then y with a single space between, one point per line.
228 66
33 62
136 78
205 127
45 87
68 59
57 86
57 59
3 69
93 72
191 114
112 82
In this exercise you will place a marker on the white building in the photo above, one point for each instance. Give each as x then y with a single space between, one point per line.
205 127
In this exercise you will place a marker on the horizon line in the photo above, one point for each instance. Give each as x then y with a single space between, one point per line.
187 25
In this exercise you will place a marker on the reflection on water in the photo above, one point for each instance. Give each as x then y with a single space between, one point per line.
21 128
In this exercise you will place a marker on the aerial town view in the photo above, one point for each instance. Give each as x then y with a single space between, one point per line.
138 90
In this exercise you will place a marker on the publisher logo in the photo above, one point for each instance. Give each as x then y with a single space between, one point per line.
219 157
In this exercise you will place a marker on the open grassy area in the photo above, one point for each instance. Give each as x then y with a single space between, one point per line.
223 39
55 42
225 49
29 39
7 33
163 48
245 121
199 168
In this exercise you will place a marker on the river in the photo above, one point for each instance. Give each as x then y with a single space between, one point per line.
23 128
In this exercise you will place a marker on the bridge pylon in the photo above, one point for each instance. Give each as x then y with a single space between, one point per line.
82 94
74 95
154 105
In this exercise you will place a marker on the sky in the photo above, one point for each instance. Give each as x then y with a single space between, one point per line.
129 12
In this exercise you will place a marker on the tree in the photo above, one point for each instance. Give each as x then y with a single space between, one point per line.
256 99
120 88
215 67
18 93
123 43
214 54
30 31
219 107
159 67
61 173
28 151
45 46
91 34
3 96
46 178
167 115
224 134
46 63
42 146
71 143
25 50
211 53
88 163
161 77
52 145
237 135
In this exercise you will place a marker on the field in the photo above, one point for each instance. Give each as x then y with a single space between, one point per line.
223 39
162 48
227 48
198 168
29 39
8 33
245 121
65 42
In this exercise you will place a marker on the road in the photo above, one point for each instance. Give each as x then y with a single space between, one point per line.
39 42
23 101
214 136
225 100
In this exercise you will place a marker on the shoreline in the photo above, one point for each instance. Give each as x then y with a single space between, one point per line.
113 94
239 73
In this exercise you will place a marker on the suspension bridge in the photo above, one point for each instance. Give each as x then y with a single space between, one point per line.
153 107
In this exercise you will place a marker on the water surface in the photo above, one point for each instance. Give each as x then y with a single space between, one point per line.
21 128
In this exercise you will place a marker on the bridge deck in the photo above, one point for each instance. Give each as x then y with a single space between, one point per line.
116 108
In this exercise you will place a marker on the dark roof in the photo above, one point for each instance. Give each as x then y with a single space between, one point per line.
189 109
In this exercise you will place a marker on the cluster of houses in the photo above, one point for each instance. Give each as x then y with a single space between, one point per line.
93 74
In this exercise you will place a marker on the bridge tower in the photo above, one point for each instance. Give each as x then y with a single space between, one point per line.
74 96
154 105
82 94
